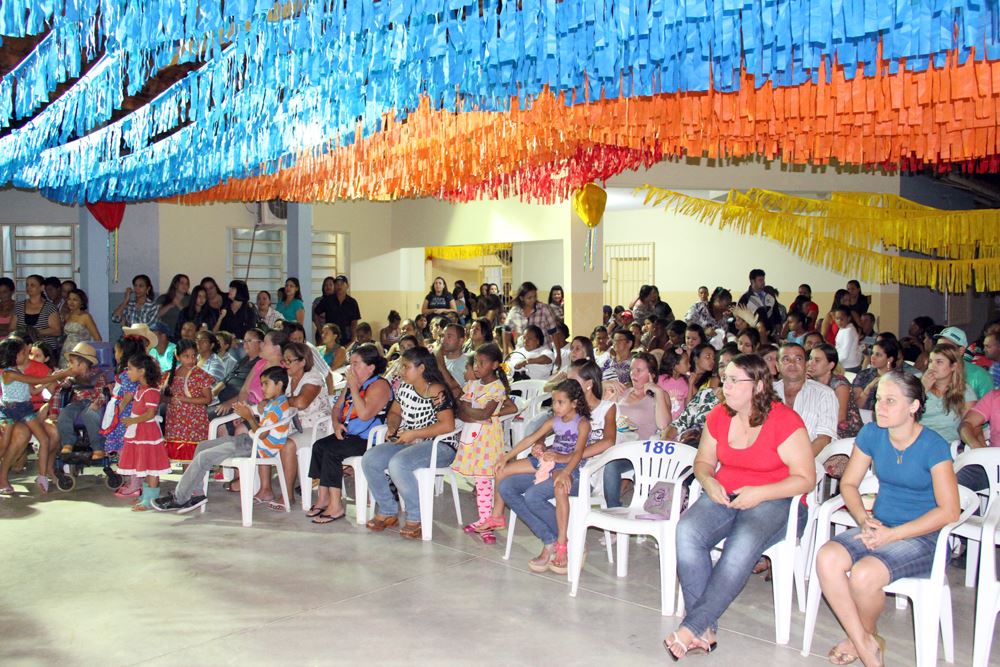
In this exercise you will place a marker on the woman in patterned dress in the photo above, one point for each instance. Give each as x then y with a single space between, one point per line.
189 389
423 410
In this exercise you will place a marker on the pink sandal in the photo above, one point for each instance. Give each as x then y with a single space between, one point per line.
560 559
487 525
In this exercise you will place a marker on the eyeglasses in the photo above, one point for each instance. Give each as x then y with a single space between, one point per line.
293 359
726 379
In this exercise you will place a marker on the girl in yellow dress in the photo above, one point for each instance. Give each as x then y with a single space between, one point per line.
481 443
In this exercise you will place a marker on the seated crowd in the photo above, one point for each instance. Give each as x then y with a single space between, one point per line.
760 389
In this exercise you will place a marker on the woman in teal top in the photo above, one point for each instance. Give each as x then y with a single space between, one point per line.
290 305
917 496
949 396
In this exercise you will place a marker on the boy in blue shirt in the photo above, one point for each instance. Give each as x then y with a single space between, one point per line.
187 496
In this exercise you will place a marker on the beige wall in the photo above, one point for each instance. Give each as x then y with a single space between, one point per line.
425 222
387 264
689 253
194 239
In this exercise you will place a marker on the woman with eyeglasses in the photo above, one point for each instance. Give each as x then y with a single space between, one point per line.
306 393
754 456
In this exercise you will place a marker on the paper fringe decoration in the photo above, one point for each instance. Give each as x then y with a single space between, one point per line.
947 116
466 251
765 77
818 238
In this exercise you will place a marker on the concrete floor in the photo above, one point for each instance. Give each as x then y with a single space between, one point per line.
97 584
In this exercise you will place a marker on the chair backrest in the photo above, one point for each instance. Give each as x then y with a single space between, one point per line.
969 502
527 388
451 437
654 461
989 459
988 583
843 446
533 407
259 433
376 436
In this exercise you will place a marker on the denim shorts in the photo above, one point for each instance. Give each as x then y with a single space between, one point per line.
17 412
912 557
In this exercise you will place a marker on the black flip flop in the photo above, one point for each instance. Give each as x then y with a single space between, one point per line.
314 511
324 519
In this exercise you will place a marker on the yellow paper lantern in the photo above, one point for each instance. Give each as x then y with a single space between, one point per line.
589 202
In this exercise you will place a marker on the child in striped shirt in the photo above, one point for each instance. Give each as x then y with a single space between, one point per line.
271 410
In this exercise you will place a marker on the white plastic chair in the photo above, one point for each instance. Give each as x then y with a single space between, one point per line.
931 595
596 498
867 416
988 595
989 459
426 482
247 466
376 436
532 408
654 461
320 429
783 556
528 388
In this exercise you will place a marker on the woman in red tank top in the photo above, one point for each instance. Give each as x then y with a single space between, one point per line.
754 456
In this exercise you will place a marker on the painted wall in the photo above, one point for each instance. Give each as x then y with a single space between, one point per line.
540 262
194 239
689 253
23 206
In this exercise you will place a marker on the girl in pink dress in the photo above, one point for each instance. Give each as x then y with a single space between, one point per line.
144 453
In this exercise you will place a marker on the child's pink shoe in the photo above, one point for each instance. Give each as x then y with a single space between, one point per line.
489 538
488 524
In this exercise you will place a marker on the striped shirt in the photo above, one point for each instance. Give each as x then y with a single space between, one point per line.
134 314
273 441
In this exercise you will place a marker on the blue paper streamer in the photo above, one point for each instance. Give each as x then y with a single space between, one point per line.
329 73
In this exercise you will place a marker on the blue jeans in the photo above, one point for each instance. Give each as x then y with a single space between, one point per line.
613 472
91 422
531 502
709 591
401 461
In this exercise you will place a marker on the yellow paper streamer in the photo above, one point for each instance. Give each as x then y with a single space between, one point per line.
465 251
854 234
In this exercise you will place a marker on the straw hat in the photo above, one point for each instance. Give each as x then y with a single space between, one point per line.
142 331
84 351
745 314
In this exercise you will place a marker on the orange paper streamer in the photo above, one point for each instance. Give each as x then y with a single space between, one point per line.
941 117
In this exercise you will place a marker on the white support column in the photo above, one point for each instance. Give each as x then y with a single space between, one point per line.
94 278
584 288
298 240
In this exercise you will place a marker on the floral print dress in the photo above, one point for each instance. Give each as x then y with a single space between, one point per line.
187 424
115 439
